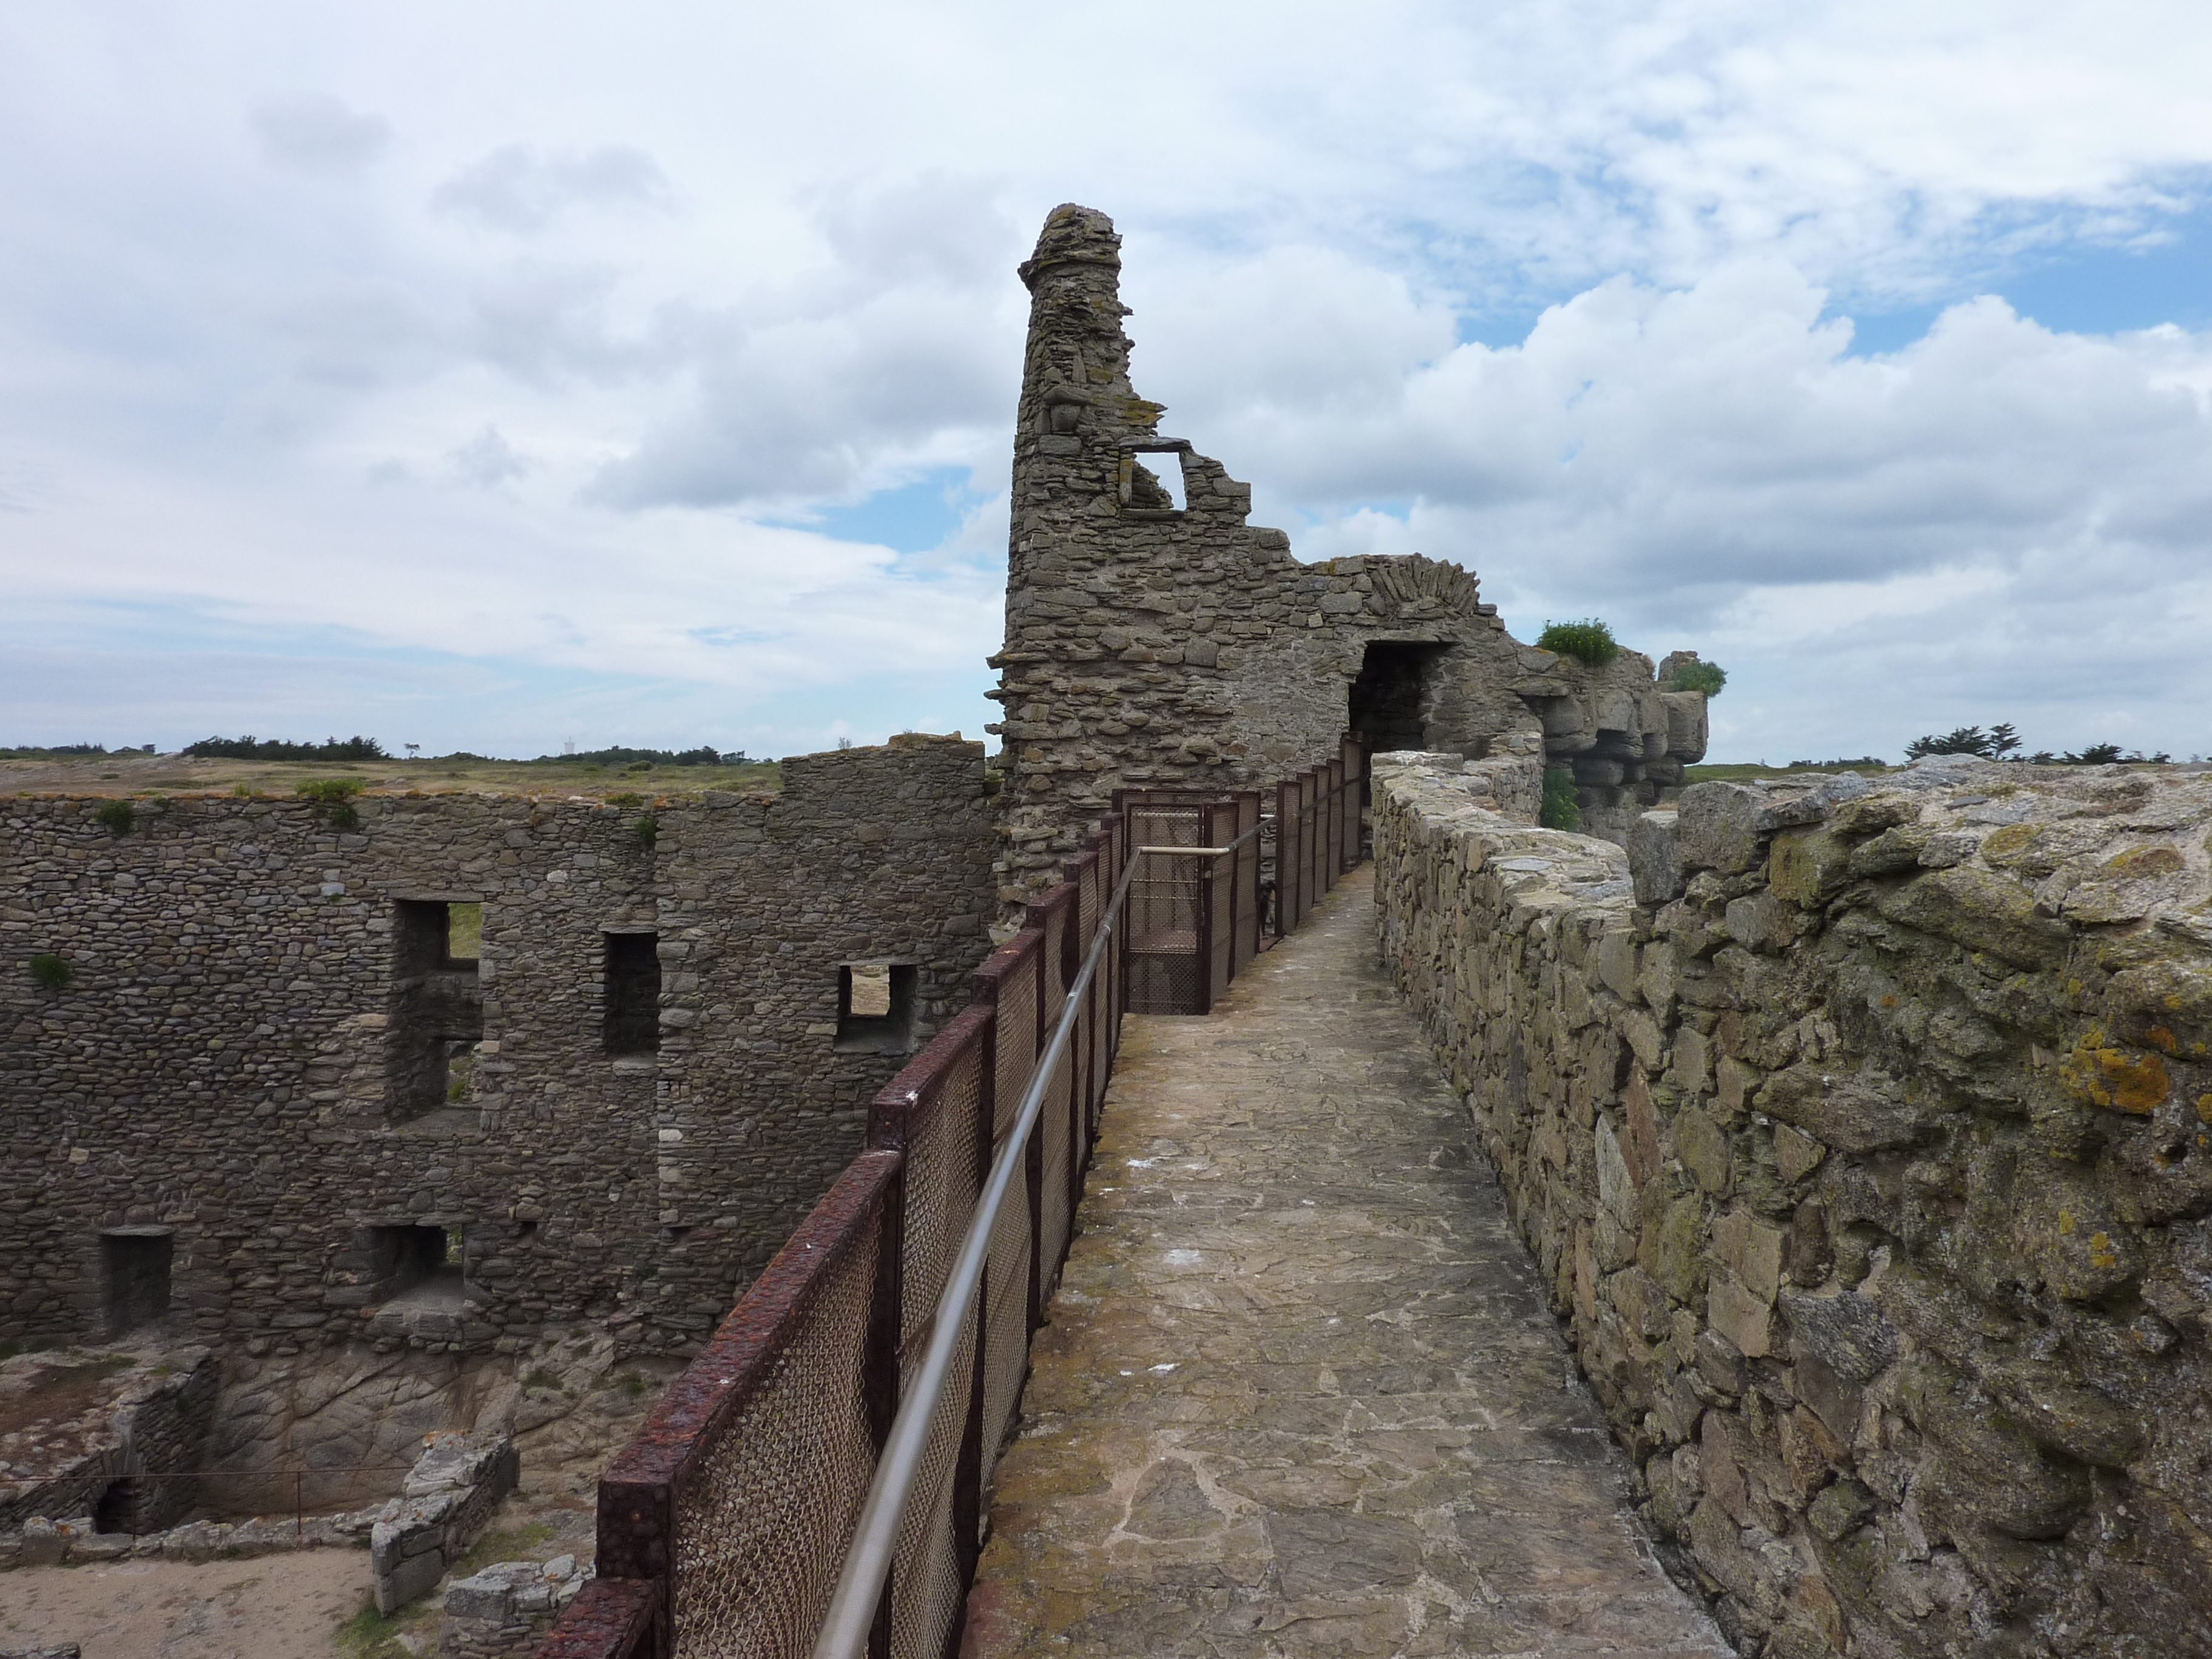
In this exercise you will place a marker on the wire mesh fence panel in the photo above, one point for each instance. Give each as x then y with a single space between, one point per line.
1290 860
1014 991
1055 1208
1006 1338
1317 837
1247 879
934 1110
930 1567
1353 750
1220 901
772 1474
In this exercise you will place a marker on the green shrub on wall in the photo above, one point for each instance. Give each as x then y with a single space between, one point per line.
50 972
332 799
1706 677
1562 809
1586 641
119 816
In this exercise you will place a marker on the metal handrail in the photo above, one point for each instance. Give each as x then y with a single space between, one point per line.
852 1612
1208 851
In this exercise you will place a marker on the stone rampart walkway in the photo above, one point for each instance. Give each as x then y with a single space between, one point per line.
1300 1394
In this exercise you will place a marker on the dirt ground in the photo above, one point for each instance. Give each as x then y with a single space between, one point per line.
274 1607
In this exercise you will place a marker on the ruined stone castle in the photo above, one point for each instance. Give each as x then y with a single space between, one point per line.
276 1105
1861 1136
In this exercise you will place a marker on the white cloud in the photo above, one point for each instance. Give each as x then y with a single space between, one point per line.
651 278
518 190
318 131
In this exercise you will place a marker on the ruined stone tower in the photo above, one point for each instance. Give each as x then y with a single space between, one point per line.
1153 643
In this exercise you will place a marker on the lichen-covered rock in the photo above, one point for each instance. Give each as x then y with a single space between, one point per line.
1871 1132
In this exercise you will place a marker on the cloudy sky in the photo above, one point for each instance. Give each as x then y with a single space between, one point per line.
496 375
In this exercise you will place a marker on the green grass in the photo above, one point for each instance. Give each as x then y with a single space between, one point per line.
507 1544
1736 772
1706 677
373 1635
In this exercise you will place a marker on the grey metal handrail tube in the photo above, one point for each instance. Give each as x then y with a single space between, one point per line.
852 1612
1207 852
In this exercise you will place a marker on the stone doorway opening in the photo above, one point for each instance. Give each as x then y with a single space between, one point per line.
134 1263
1395 692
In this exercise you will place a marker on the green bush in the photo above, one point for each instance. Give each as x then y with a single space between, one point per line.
119 816
1586 641
1562 809
645 831
332 799
1706 677
51 971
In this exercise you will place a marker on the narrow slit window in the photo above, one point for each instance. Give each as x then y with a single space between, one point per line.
632 988
875 1008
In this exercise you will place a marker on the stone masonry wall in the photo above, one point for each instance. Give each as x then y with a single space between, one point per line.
1146 644
230 1061
1864 1135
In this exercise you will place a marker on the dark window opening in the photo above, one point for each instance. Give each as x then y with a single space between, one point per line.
418 1262
875 1008
134 1267
1391 698
437 1007
632 987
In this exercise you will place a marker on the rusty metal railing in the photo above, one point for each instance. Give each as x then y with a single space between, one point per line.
843 1423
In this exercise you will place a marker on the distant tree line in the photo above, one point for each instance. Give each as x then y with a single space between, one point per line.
62 750
2001 742
703 755
252 748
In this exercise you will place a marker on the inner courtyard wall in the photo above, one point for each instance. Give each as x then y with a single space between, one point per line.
228 1067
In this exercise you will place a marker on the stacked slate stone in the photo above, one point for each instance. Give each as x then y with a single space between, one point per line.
1157 645
234 1070
1864 1131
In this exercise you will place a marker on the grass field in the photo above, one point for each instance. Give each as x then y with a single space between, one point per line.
1736 772
181 774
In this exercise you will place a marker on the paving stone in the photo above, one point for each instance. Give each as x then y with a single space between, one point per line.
1299 1394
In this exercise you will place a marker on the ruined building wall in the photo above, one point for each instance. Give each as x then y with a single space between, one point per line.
1146 644
1865 1139
233 1076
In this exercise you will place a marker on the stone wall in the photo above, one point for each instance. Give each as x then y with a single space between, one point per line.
231 1085
1149 644
76 1431
1864 1135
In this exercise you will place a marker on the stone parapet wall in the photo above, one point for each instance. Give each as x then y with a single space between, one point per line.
1863 1134
228 1072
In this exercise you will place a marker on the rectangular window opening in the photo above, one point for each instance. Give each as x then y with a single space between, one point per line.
134 1267
420 1263
631 986
875 1007
1165 488
437 1007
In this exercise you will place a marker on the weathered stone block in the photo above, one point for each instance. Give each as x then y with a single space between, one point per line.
1750 1249
1745 1319
1724 826
1808 867
1654 865
1703 1150
1981 912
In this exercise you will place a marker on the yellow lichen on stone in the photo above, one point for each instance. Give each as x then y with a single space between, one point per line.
2161 1039
2141 861
2101 1253
2106 1075
2204 1108
2002 845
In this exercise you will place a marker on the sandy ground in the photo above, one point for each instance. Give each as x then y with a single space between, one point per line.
274 1607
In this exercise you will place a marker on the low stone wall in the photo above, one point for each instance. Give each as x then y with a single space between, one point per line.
506 1608
80 1426
450 1494
1863 1133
